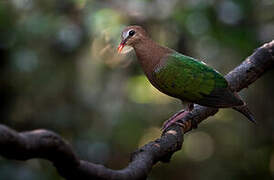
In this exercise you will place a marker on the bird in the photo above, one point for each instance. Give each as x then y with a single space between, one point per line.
180 76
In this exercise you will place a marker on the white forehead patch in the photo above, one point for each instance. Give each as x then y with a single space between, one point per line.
125 34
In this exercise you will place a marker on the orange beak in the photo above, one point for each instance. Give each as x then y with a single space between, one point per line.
120 48
122 45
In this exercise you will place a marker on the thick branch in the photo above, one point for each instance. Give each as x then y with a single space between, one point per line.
48 145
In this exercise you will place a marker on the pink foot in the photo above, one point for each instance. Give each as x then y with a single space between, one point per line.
174 119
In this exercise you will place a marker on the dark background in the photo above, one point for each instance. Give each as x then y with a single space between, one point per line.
60 71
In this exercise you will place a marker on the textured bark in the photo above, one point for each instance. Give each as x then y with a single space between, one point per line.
48 145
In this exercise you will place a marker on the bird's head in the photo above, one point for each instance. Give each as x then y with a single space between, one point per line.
131 36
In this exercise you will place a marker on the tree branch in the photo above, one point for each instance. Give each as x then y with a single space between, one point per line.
48 145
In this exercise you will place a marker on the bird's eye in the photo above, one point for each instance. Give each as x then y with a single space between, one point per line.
131 33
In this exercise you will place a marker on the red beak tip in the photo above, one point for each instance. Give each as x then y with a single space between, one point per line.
121 46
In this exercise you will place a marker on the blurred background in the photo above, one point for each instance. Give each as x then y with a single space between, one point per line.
60 71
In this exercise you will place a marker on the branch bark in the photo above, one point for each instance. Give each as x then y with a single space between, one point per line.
49 145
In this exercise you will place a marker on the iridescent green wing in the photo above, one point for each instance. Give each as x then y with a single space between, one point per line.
188 79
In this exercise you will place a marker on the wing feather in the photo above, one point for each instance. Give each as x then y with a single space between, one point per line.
190 80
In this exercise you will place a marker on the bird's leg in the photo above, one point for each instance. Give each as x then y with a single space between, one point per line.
178 116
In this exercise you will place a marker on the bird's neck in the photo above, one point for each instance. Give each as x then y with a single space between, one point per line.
150 54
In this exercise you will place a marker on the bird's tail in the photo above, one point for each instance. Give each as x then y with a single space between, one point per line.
246 112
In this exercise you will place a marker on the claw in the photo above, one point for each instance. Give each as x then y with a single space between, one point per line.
178 119
174 119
